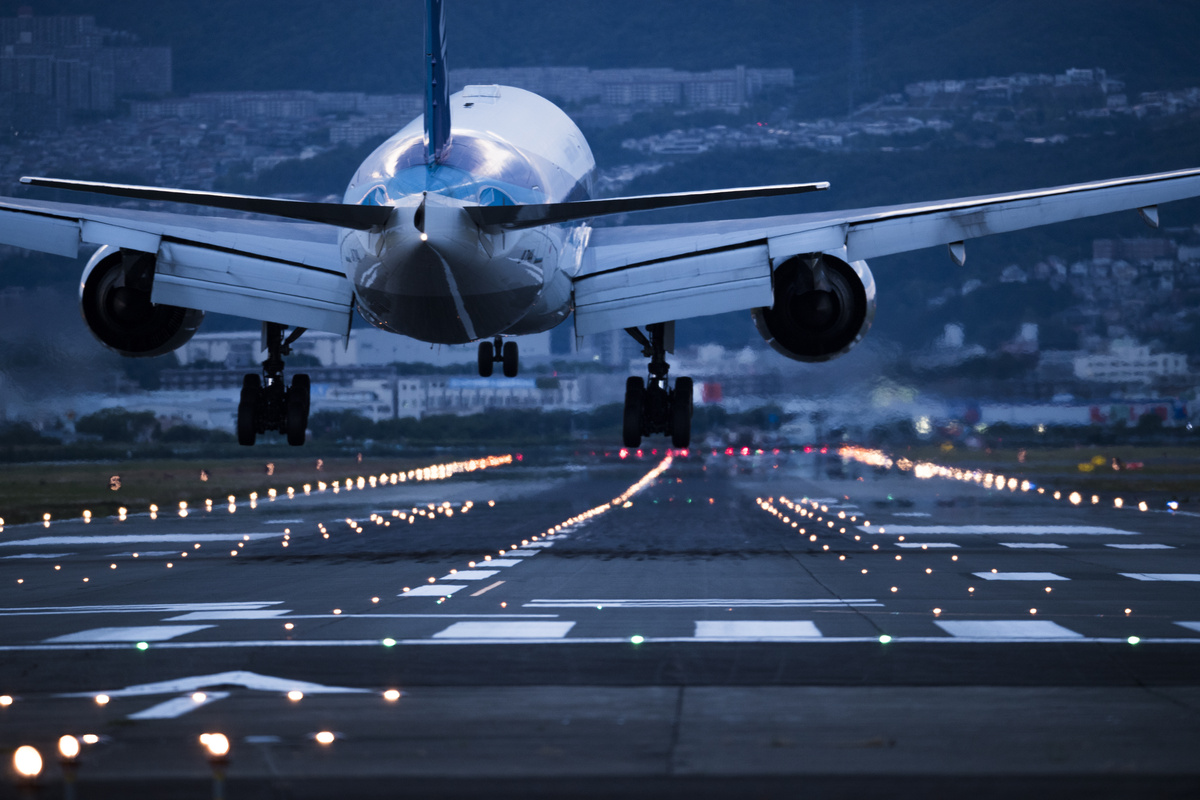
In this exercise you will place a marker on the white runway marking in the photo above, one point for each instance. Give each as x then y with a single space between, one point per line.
500 562
148 633
283 522
248 680
1034 545
505 630
1192 626
149 538
40 555
911 514
1162 576
930 545
1007 629
522 553
469 575
263 613
433 590
151 608
1141 546
178 706
1019 576
997 530
539 544
700 603
755 630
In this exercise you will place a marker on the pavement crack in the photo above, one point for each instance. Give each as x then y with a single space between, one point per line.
676 726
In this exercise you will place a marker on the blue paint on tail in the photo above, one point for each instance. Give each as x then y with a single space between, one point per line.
437 89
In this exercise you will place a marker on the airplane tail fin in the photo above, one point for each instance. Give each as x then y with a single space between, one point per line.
437 89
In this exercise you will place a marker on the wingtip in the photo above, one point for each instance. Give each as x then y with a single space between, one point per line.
26 179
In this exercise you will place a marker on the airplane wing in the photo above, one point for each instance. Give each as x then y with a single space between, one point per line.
638 275
274 271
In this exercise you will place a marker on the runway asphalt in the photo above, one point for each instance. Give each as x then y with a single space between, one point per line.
584 625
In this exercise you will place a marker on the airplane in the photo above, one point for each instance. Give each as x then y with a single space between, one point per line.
471 224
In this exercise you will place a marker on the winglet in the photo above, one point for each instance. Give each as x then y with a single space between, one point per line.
437 89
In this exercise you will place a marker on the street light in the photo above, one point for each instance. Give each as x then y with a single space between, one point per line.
217 745
68 759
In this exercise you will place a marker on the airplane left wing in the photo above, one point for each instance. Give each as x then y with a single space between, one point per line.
638 275
275 271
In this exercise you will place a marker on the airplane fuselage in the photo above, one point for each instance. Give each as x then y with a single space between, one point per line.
431 273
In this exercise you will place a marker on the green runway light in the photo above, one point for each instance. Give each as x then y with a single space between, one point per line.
884 639
1134 639
143 645
636 639
389 642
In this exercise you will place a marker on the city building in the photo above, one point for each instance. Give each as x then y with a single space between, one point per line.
1127 362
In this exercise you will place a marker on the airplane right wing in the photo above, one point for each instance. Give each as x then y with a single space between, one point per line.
643 274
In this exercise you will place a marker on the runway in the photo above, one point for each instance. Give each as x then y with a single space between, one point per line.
584 624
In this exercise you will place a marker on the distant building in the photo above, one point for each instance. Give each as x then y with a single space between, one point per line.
52 66
1127 362
1141 249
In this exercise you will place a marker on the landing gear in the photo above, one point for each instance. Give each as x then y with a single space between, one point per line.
266 404
651 407
498 351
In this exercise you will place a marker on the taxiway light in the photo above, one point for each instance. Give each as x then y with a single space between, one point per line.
102 699
217 744
27 761
325 737
295 695
391 695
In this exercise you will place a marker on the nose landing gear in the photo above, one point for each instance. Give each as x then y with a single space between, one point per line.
650 407
266 403
498 351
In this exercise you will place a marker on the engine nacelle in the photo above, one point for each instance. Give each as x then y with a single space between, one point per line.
822 307
114 295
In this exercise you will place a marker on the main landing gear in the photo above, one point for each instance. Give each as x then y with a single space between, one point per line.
266 405
498 351
649 406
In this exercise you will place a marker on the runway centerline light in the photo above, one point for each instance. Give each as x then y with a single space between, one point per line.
1133 639
636 639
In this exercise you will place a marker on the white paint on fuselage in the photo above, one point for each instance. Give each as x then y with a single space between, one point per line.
432 274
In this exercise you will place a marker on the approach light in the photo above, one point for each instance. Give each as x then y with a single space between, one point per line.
68 747
27 761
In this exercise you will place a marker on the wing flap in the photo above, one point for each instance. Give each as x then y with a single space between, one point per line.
44 233
258 288
671 289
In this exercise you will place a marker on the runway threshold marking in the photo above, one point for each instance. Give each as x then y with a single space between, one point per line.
1007 629
505 630
756 630
1020 576
700 603
433 590
1162 576
486 589
1141 546
998 530
148 633
469 575
262 613
1034 545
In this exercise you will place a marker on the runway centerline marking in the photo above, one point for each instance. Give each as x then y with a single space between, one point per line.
486 589
1007 629
505 630
1141 546
500 562
41 555
930 545
146 633
1187 577
755 630
1020 576
997 530
1034 545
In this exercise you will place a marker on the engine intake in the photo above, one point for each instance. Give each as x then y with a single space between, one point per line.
822 307
114 295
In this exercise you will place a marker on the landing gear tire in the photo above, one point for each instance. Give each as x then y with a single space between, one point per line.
681 413
296 420
635 392
247 418
510 359
487 359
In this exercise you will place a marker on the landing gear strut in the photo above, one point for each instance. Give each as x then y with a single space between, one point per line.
266 403
650 407
501 351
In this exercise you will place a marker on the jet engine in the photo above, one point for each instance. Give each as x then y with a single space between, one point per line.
822 307
114 295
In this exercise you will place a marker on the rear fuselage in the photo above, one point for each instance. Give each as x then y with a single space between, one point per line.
434 275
